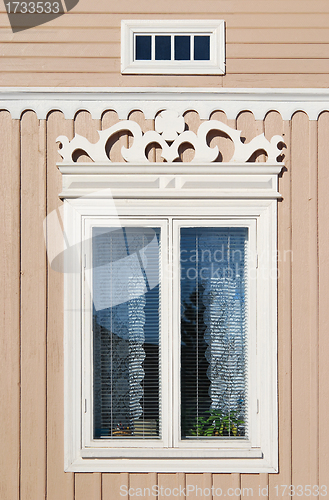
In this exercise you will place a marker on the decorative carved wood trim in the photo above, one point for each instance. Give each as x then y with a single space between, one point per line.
170 134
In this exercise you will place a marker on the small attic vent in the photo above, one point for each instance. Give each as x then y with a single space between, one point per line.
173 47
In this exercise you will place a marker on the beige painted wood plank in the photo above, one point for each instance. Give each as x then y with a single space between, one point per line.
302 429
142 485
59 483
111 34
112 50
10 307
205 10
323 207
83 49
222 6
224 144
199 486
48 34
114 486
117 80
153 151
112 65
227 485
276 35
92 34
274 125
255 485
275 50
186 151
305 303
87 127
314 302
33 308
277 66
171 486
233 19
103 80
88 486
250 128
52 65
275 81
244 34
117 141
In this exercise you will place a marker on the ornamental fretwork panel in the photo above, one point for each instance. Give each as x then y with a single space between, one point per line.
171 135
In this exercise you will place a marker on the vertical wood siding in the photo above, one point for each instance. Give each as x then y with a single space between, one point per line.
10 307
323 245
59 485
269 43
33 307
31 354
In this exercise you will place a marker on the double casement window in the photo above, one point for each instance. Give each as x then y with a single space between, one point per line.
170 310
168 330
171 336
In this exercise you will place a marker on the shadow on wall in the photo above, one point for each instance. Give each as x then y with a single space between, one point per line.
24 15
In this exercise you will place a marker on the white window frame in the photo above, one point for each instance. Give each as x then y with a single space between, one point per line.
213 28
258 453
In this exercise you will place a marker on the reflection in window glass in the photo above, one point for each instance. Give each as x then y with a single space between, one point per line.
126 326
182 48
143 48
201 48
213 332
163 48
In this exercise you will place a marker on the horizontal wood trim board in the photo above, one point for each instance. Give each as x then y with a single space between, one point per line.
90 80
150 101
45 64
223 6
112 65
275 35
276 51
233 20
283 81
93 34
277 66
111 50
77 50
33 78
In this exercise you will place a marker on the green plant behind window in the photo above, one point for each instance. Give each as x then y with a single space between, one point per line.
218 424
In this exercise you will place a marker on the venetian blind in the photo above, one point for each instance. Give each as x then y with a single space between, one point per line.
126 326
213 332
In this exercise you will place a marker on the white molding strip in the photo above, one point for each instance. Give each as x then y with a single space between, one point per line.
152 100
170 181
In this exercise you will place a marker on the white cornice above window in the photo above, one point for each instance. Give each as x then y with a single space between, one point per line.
153 100
203 177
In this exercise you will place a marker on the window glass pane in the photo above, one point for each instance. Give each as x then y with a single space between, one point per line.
143 48
126 301
163 48
202 48
213 332
182 48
